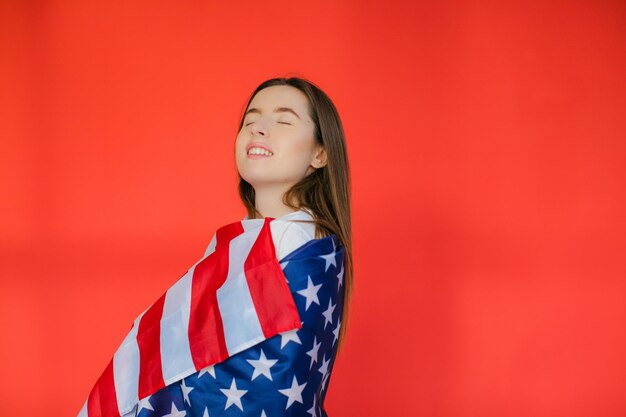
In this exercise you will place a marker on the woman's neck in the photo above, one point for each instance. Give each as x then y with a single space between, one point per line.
269 202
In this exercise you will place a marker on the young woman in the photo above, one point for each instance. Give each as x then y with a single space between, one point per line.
294 183
293 166
307 169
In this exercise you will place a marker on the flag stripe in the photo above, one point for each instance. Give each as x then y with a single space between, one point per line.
241 324
276 312
206 334
102 400
83 411
228 301
148 336
126 370
175 352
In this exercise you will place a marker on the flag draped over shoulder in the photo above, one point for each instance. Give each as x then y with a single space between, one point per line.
235 302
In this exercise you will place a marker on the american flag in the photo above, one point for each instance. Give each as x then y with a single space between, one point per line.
239 334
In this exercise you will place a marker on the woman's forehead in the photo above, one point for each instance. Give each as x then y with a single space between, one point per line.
280 96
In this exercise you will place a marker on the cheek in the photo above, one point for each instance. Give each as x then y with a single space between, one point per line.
299 154
305 146
239 142
239 150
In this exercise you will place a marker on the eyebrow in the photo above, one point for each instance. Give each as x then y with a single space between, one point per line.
276 110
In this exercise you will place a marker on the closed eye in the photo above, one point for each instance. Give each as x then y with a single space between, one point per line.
283 123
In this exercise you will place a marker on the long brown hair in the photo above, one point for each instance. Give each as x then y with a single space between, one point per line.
326 191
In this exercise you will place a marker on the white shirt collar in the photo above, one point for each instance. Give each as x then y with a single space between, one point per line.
302 214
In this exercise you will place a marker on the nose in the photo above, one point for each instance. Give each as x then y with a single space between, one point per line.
258 129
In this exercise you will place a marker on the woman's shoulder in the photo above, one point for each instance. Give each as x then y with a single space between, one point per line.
289 234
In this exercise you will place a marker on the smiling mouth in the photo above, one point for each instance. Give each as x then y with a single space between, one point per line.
259 151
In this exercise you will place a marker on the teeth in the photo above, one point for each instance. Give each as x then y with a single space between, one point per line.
259 151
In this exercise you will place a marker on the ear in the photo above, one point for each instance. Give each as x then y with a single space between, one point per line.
320 159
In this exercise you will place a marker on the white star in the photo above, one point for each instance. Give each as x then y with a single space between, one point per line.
325 381
340 277
328 314
313 352
175 412
207 370
234 395
330 260
263 413
206 412
310 293
294 393
186 390
289 336
313 409
144 405
336 332
324 368
262 366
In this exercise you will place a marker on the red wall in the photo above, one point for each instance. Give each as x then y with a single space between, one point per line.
487 147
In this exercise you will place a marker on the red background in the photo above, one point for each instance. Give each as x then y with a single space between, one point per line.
486 141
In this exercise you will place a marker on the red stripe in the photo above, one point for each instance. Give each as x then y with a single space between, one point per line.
268 286
102 401
206 330
149 341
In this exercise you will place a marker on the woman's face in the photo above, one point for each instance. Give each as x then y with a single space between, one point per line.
277 121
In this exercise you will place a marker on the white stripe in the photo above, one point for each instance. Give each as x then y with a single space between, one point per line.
83 411
252 224
241 324
175 351
211 248
126 370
